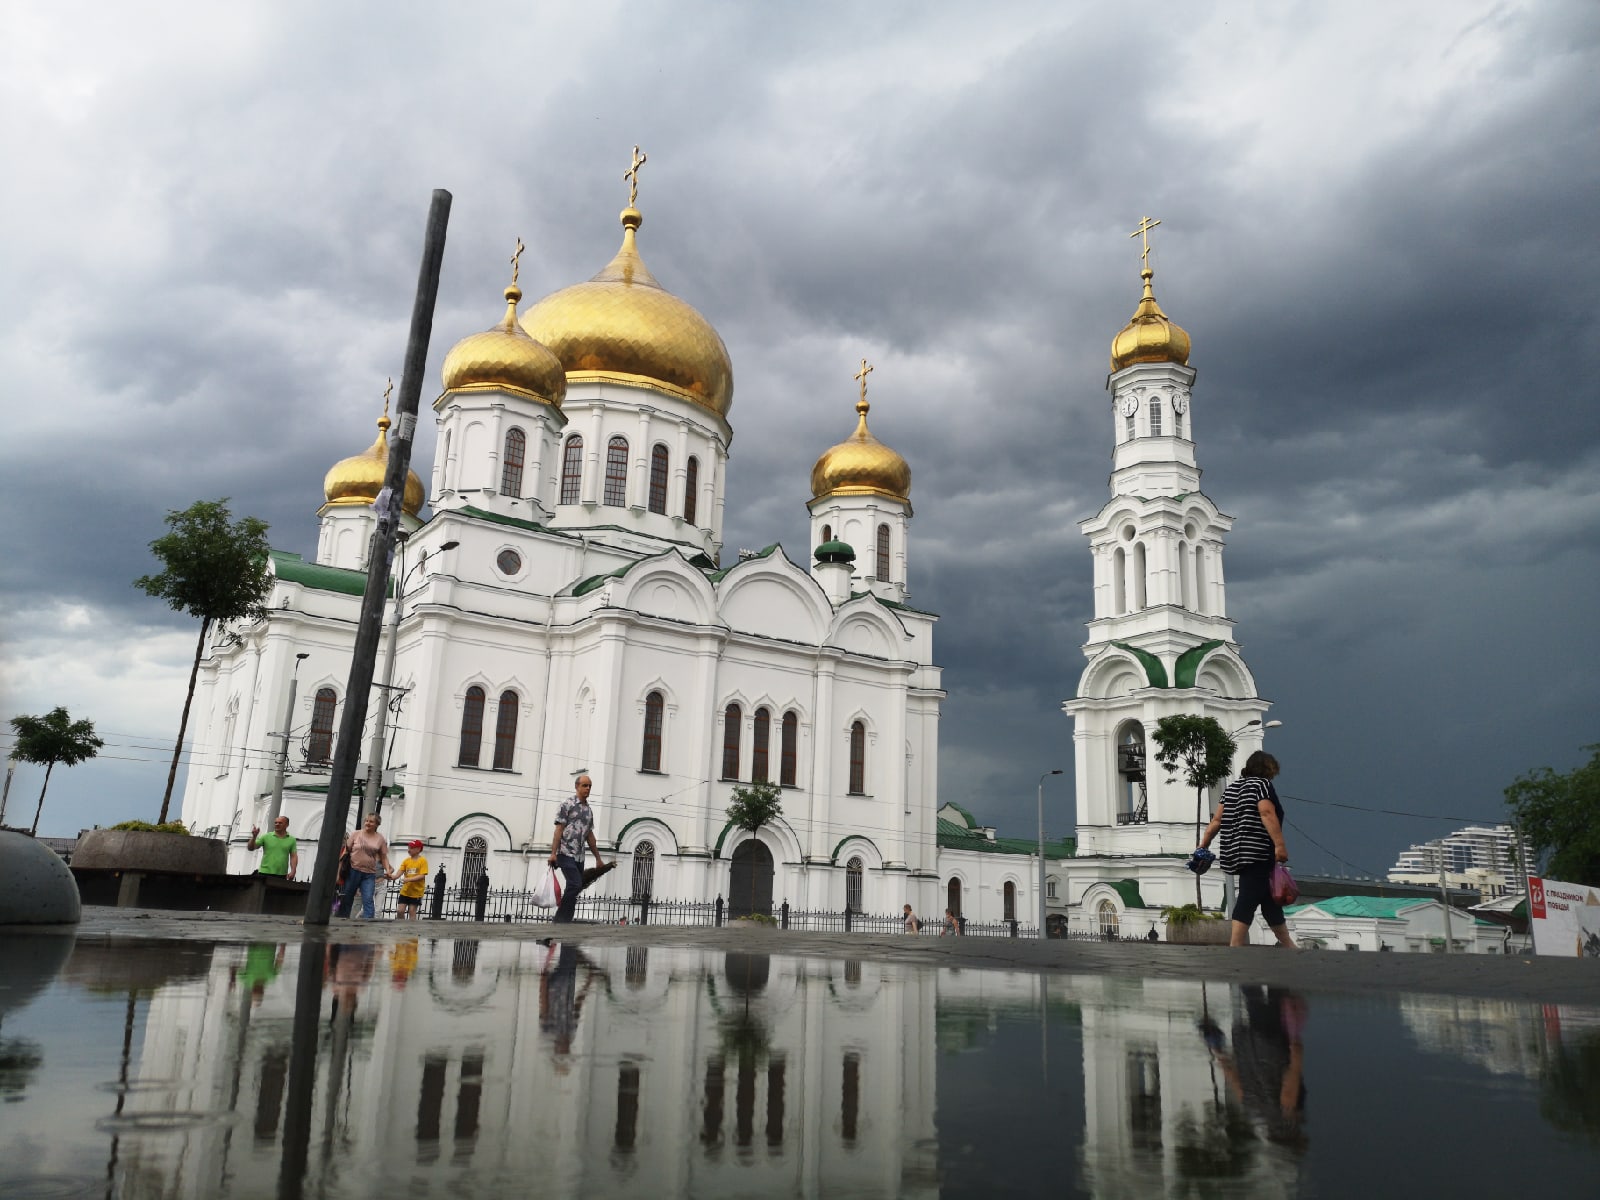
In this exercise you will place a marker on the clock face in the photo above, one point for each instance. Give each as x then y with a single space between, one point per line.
1130 405
1180 403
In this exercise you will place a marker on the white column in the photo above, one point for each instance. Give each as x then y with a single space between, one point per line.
497 445
595 452
680 468
639 493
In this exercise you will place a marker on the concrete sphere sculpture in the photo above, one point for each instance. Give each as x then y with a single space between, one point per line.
40 889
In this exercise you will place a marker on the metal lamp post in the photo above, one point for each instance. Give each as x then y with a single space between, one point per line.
283 750
1042 913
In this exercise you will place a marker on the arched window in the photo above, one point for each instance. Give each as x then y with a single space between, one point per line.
827 533
858 759
1202 602
658 480
616 493
952 896
882 567
852 885
644 871
1155 417
760 745
1177 423
1185 588
319 746
1119 582
471 728
511 463
505 732
572 470
789 752
1010 901
474 862
1132 807
731 721
1106 911
691 490
1129 432
650 756
1138 576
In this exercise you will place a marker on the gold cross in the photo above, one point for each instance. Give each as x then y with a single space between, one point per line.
1143 233
516 262
631 176
862 376
388 390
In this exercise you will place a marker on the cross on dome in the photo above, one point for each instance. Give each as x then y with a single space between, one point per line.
516 262
1146 224
631 176
862 376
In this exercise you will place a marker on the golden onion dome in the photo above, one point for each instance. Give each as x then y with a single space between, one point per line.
625 327
506 359
861 465
1151 336
357 480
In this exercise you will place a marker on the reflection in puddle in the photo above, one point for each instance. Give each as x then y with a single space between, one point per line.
430 1067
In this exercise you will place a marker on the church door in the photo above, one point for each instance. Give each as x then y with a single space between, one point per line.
750 880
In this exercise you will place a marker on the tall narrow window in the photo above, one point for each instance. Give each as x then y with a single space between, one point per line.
789 751
1129 432
1010 901
858 759
852 885
732 719
1202 602
616 493
644 870
511 464
505 732
691 490
650 757
319 746
1155 417
572 470
827 533
1119 582
474 862
882 569
471 728
658 480
1139 573
760 745
1177 423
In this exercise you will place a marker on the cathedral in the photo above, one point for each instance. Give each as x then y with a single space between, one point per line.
566 609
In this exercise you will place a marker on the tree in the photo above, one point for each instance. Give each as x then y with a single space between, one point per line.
1559 815
1203 751
215 569
753 807
51 739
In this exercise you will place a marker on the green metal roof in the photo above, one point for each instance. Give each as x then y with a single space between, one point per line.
1128 889
959 837
497 519
1154 669
291 568
1386 908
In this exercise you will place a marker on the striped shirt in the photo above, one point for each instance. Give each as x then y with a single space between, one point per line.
1245 839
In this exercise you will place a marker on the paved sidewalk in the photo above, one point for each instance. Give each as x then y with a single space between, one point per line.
1547 980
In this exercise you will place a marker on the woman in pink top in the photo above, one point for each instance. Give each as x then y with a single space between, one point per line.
369 857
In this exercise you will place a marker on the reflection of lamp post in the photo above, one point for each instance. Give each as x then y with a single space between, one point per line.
374 796
1042 912
283 751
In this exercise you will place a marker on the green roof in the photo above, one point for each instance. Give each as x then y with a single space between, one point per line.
1385 907
291 568
1128 889
515 522
594 581
972 821
959 837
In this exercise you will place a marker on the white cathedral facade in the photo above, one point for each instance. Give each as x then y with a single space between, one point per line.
565 609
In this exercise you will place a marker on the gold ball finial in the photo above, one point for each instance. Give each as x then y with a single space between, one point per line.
388 390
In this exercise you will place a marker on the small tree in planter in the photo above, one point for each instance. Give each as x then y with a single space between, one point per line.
51 739
753 807
1202 750
1191 923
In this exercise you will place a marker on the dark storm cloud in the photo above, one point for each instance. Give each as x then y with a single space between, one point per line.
1372 228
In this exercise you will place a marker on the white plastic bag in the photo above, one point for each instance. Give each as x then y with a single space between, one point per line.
548 893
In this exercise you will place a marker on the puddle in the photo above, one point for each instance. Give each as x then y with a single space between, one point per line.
459 1068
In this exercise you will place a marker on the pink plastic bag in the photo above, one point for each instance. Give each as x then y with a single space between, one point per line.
1284 888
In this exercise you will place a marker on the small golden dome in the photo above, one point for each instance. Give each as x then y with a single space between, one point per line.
622 325
1151 336
357 480
506 359
861 465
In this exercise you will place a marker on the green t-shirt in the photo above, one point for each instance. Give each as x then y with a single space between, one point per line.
275 852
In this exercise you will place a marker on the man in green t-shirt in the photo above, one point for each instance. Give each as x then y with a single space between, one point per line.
279 853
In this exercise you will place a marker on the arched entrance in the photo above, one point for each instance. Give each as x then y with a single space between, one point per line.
952 895
750 880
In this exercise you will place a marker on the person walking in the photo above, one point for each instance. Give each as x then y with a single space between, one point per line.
912 924
369 857
952 926
1250 819
280 853
413 876
574 829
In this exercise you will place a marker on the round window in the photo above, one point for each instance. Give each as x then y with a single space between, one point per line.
509 562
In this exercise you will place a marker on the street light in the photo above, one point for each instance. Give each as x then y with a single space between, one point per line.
1042 913
375 752
1257 721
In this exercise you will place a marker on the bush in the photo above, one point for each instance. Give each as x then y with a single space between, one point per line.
758 919
146 827
1187 914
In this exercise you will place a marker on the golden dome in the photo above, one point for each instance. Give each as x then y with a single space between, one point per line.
624 326
506 359
1151 336
861 465
357 480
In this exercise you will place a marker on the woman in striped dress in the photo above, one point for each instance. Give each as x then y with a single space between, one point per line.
1250 818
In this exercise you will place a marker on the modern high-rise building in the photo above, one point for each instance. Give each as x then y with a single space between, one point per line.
1474 857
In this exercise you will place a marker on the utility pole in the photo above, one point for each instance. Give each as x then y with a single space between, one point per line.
1444 894
11 769
374 795
319 898
283 750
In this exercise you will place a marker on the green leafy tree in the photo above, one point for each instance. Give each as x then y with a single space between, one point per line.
51 739
1559 815
1201 751
753 807
214 568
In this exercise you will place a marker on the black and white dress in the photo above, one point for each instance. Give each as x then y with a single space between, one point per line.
1245 840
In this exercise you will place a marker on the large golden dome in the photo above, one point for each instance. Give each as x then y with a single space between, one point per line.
861 465
357 480
506 359
622 325
1151 336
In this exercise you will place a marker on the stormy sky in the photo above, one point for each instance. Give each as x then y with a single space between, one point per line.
1377 227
